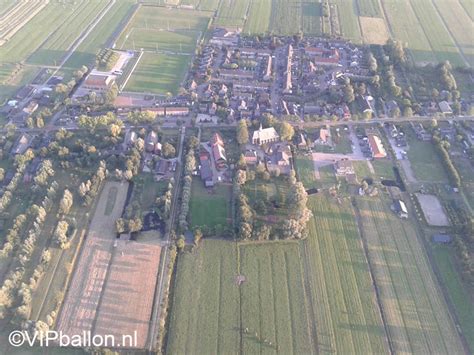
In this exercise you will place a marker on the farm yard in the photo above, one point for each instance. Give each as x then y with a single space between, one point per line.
127 300
79 310
344 308
415 312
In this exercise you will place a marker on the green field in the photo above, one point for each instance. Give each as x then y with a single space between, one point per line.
210 312
158 73
416 315
209 207
344 309
425 162
163 29
205 307
458 294
232 13
369 8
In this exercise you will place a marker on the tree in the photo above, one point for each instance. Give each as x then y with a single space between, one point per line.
135 225
241 163
408 112
242 132
120 225
66 202
240 177
197 236
61 234
180 243
114 130
168 150
286 131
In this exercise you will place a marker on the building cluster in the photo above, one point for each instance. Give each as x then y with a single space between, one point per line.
213 166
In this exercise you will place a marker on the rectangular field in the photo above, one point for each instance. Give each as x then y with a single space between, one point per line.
344 312
127 299
210 207
415 311
163 29
205 312
158 73
80 306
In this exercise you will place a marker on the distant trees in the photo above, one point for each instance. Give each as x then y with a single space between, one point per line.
453 174
60 234
168 150
66 202
286 131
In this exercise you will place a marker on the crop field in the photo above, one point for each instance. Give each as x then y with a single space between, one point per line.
344 308
158 73
415 312
259 17
273 302
208 5
127 300
369 8
205 309
232 13
80 306
162 29
216 202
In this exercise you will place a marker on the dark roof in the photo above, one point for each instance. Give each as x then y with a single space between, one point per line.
441 238
206 171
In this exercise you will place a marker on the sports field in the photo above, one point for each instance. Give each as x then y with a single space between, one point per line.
416 315
163 29
345 315
158 73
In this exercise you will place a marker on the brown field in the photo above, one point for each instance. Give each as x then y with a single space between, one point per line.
127 301
374 30
80 306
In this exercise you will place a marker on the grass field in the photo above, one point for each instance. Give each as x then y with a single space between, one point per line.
425 162
205 313
158 73
416 315
232 13
273 301
344 309
459 296
210 208
165 29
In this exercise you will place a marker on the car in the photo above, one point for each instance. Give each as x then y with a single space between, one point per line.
118 72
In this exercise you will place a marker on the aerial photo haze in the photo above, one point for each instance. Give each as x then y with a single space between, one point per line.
257 177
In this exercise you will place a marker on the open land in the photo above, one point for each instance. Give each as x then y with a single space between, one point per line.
80 307
416 314
432 210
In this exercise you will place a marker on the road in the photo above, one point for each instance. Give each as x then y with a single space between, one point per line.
153 332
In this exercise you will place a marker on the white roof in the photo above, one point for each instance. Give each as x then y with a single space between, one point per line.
264 134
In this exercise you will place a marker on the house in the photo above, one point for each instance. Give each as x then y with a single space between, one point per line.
400 208
445 108
323 56
206 173
344 167
98 82
376 146
250 157
177 111
22 144
441 238
288 85
150 141
301 141
130 139
265 136
324 136
162 167
225 37
31 107
279 158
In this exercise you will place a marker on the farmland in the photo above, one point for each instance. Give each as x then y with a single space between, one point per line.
158 73
416 315
344 307
425 162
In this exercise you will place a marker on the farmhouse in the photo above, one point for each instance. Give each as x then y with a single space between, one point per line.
400 208
265 135
218 151
376 146
279 158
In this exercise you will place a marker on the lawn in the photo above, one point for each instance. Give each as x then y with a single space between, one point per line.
205 310
344 311
383 168
158 73
305 170
210 207
458 294
416 315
